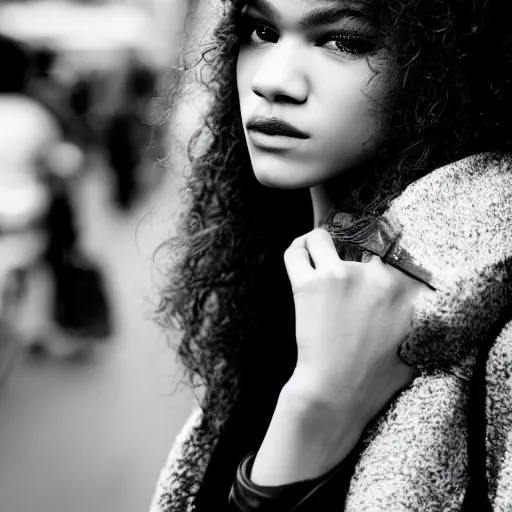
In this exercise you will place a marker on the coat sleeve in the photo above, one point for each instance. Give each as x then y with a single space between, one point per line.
169 478
499 421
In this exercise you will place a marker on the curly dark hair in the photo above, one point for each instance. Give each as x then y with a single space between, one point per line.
227 289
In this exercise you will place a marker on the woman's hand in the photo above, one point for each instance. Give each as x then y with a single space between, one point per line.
350 320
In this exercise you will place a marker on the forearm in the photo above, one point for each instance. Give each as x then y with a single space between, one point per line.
306 438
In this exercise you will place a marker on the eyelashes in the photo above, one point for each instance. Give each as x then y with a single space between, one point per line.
246 26
252 31
259 32
349 43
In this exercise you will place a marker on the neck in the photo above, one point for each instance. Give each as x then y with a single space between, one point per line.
321 201
331 193
335 192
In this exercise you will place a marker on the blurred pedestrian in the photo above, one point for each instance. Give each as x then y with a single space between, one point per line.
63 301
129 133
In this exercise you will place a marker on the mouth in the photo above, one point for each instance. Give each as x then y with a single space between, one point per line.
275 127
272 135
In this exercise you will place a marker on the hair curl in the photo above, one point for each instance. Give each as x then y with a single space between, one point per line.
227 289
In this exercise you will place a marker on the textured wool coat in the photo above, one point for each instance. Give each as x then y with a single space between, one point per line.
446 441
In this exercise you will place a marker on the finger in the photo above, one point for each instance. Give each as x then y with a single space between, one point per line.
298 264
298 261
320 246
300 241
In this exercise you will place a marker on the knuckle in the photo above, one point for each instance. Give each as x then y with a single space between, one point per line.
338 273
310 240
386 282
293 244
303 285
316 234
382 280
298 242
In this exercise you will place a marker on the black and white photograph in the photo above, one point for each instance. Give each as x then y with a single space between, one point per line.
256 256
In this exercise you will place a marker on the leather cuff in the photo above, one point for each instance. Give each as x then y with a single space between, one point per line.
246 496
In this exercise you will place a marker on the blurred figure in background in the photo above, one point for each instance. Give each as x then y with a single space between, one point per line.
129 132
57 298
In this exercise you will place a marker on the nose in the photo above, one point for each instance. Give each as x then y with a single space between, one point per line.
280 76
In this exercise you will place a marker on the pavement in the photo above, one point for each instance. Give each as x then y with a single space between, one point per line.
91 435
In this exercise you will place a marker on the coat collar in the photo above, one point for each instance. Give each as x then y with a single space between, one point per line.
455 220
452 229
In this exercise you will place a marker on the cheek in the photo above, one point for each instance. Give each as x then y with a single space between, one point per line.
347 109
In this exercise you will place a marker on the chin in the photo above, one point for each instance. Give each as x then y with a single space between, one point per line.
280 179
273 171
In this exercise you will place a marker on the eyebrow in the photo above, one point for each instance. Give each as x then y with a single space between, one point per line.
319 16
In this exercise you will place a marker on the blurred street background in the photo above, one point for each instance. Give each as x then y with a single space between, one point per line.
90 394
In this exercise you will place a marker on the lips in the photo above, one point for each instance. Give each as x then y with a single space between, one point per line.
275 126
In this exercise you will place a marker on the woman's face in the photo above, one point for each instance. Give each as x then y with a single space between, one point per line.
307 87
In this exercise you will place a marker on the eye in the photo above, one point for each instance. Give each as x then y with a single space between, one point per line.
255 31
263 33
348 43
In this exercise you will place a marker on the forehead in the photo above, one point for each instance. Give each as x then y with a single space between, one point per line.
305 6
308 12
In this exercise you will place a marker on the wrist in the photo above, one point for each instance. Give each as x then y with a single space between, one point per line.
328 428
307 437
310 391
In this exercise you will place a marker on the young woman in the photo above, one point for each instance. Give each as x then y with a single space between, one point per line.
343 276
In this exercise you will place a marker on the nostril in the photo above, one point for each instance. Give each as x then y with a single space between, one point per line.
282 98
256 91
290 93
290 99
